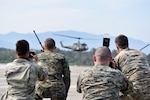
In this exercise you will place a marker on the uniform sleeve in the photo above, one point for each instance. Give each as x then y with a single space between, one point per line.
42 75
82 77
43 71
119 60
66 73
78 84
116 59
127 85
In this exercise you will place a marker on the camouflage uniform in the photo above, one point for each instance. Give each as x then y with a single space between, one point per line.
102 83
58 82
135 66
21 76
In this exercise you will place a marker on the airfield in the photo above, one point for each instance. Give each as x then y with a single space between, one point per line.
72 95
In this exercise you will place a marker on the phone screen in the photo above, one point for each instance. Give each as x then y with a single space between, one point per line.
106 42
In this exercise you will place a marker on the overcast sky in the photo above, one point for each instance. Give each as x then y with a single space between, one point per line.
129 17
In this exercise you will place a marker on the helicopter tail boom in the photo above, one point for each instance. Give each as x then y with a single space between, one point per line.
64 46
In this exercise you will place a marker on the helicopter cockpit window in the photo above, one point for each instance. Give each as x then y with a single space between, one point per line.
84 44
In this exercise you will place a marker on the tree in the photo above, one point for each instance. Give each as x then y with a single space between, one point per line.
6 55
74 58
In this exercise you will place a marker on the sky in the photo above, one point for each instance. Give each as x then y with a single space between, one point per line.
113 17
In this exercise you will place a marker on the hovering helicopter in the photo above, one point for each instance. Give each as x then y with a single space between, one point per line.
76 46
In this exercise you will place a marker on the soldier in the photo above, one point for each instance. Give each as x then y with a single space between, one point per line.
102 82
135 66
57 85
22 74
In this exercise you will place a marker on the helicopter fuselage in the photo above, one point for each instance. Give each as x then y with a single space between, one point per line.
76 47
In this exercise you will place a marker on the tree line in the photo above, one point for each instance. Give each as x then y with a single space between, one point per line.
74 58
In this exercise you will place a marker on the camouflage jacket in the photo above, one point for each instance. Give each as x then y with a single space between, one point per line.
102 83
21 76
58 74
135 66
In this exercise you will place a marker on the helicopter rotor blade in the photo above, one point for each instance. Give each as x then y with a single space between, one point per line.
69 36
76 37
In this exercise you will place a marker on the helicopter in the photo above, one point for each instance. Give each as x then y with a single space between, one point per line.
76 46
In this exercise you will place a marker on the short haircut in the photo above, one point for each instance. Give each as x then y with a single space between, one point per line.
103 53
122 41
22 47
49 43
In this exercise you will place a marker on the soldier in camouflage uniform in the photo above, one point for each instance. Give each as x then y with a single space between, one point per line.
57 85
135 66
102 82
22 74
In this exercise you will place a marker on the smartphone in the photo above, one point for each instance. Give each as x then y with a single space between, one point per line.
106 42
32 53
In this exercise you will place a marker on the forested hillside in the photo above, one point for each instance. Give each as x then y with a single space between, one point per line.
74 58
6 55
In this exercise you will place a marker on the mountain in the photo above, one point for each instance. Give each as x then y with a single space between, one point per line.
92 40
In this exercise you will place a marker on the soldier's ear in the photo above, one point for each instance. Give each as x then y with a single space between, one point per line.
28 53
117 47
110 59
94 58
54 48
